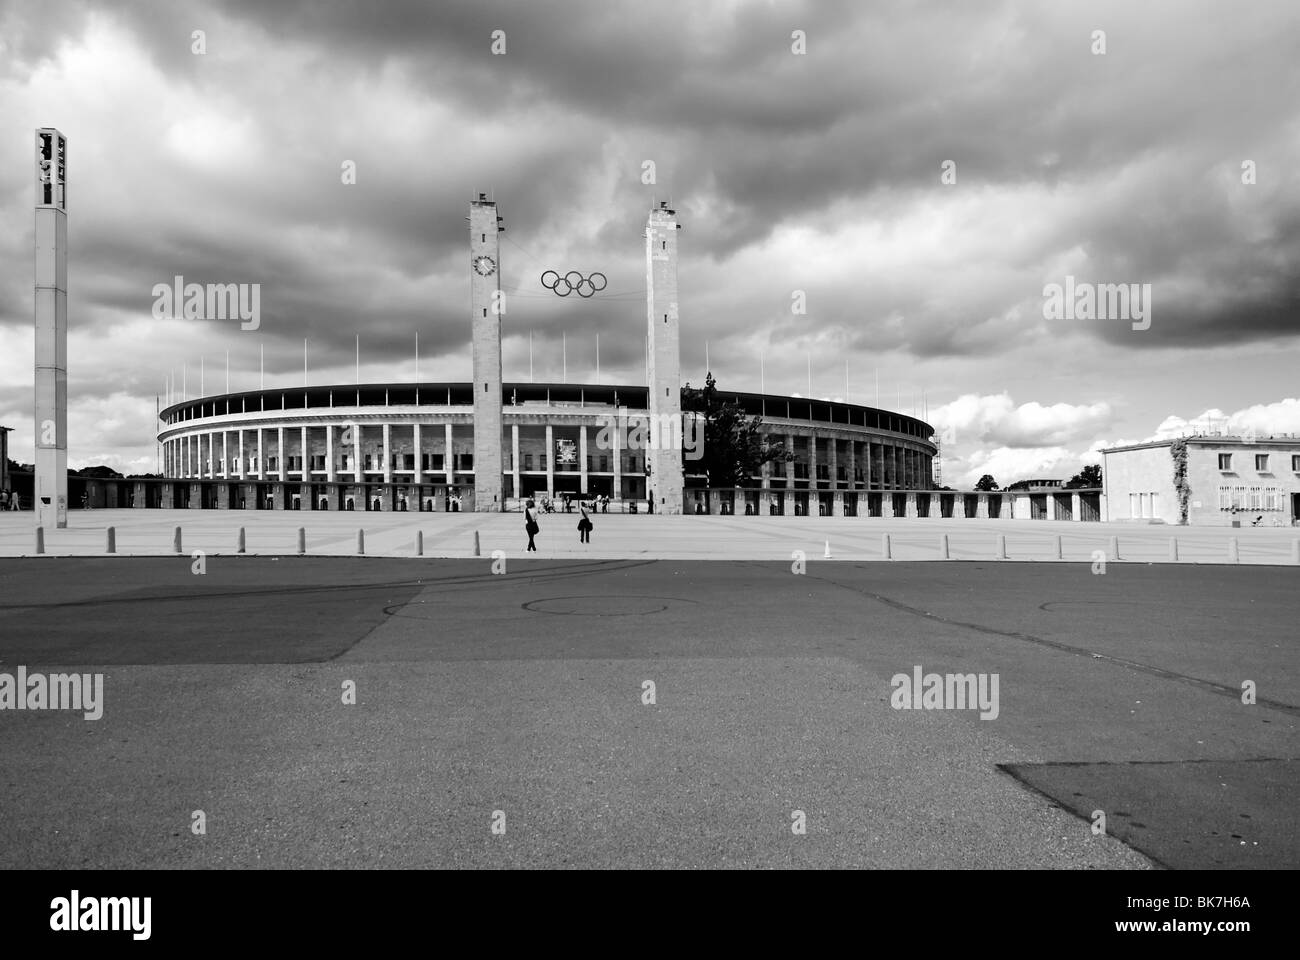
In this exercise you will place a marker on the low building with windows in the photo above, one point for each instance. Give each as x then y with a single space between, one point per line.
1205 481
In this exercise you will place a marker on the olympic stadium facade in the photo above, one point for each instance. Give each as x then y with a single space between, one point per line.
413 446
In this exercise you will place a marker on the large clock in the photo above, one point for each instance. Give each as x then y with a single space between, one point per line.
484 266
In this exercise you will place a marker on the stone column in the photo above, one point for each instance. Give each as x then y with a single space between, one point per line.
223 496
261 456
279 454
982 506
416 441
789 466
813 484
449 458
886 505
1075 505
910 509
388 457
617 453
331 473
837 503
358 472
514 457
243 460
225 455
196 496
550 459
582 456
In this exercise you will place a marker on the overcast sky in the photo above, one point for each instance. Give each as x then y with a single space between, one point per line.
820 172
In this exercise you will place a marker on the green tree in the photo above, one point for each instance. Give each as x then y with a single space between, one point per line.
1089 476
986 482
734 448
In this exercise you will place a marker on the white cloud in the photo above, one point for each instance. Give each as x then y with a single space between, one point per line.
995 418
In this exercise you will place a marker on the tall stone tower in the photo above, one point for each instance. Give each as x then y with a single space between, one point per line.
51 493
485 320
664 485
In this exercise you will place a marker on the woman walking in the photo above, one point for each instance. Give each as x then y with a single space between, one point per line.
530 524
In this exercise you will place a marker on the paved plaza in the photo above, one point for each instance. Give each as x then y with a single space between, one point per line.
524 693
452 535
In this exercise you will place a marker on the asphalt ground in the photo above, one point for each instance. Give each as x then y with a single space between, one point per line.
519 699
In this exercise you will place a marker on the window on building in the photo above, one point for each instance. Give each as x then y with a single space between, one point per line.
1256 499
1295 462
604 465
318 461
347 462
1261 462
1225 461
528 461
1225 498
541 459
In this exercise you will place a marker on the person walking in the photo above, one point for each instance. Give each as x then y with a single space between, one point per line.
531 527
584 525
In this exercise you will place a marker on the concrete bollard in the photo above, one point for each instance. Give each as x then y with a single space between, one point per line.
1173 549
110 540
40 540
176 541
1295 552
419 543
1001 553
361 542
1114 548
476 544
943 547
1234 554
1059 554
240 544
302 541
885 552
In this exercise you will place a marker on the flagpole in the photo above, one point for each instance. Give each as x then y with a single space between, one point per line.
358 359
227 371
598 359
261 365
530 357
304 361
564 357
417 357
762 374
202 391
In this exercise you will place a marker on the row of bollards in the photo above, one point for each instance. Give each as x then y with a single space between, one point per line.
1000 549
886 546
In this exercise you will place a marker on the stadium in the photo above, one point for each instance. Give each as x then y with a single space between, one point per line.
456 446
412 446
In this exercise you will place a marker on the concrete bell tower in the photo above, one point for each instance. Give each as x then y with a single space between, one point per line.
664 485
486 304
51 491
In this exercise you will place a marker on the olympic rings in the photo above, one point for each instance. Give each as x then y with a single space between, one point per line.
562 286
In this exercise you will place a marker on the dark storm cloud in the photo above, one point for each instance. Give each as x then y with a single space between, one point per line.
858 127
